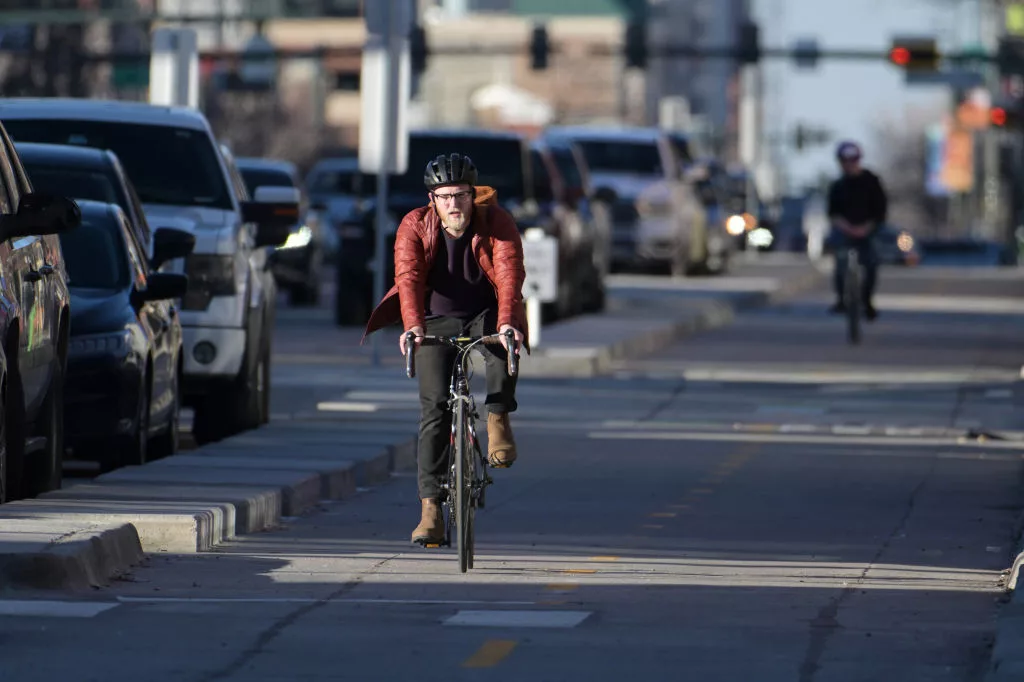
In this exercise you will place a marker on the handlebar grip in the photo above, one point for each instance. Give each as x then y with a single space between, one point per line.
410 355
513 353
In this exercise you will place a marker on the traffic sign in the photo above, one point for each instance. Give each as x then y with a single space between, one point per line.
540 257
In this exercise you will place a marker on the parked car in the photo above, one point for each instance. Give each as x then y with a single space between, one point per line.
563 215
336 191
657 216
122 401
296 264
182 177
84 173
34 328
503 161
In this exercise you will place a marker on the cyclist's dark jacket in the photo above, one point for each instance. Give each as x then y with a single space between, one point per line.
858 198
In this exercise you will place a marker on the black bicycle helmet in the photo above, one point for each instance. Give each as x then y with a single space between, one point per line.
453 169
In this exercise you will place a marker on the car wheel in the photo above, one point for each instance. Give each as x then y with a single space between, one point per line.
45 468
237 407
168 442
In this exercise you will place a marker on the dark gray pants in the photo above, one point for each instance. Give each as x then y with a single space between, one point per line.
434 367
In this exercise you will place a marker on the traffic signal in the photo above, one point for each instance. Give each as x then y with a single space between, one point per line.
418 50
636 44
540 48
749 43
1010 56
915 54
1006 118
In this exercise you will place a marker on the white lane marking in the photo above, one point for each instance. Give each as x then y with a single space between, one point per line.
339 406
54 609
311 600
518 619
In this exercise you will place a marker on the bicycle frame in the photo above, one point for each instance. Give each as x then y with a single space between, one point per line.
467 466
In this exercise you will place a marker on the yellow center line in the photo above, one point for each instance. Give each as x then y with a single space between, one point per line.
491 653
604 558
578 571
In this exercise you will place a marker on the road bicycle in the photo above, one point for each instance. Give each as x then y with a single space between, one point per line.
464 490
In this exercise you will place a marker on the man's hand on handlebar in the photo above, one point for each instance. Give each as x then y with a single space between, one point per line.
417 332
518 336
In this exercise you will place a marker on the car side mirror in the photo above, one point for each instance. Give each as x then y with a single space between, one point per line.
41 214
275 211
169 243
162 286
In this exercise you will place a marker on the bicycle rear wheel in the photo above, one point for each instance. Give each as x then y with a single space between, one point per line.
463 491
852 295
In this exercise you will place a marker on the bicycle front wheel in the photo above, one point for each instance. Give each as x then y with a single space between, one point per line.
852 296
463 492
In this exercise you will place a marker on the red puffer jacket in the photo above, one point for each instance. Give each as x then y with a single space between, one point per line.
498 249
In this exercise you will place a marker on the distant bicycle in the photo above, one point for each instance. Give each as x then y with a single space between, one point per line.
464 491
852 295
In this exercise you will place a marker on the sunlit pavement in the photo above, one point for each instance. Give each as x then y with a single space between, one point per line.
761 502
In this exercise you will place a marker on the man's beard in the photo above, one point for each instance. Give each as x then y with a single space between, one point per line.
455 224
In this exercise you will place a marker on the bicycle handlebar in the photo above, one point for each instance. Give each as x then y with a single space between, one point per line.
461 342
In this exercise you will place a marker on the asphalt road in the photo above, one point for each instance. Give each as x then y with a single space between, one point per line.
762 502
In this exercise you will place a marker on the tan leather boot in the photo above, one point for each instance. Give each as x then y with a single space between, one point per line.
431 528
501 446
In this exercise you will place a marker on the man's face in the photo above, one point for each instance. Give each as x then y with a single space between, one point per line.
454 204
850 166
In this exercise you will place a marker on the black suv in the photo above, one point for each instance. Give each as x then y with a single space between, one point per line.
503 162
34 326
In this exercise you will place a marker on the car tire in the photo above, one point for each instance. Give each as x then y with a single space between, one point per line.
168 442
14 437
45 470
238 407
133 449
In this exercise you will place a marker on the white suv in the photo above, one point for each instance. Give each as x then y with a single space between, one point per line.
185 181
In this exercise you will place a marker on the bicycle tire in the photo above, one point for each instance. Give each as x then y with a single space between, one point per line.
852 296
463 513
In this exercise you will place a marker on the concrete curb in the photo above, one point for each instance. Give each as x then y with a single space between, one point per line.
712 314
76 560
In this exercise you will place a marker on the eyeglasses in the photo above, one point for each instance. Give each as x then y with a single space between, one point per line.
454 196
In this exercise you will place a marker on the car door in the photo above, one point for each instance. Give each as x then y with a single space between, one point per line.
157 319
26 262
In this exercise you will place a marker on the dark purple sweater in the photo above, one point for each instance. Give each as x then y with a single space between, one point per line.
457 285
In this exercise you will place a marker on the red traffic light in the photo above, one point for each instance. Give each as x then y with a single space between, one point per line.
997 116
900 56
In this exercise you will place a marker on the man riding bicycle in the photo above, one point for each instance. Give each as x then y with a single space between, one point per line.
458 271
857 207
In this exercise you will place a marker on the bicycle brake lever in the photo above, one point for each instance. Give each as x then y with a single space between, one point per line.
410 355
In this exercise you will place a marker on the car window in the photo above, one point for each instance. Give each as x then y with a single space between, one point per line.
169 165
140 268
77 183
137 211
94 253
623 156
333 182
265 177
542 183
567 167
241 191
9 195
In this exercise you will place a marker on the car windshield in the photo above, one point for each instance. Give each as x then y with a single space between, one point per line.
499 162
94 254
329 181
168 165
265 177
77 183
614 156
566 163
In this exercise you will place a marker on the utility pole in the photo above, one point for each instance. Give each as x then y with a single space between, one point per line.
989 29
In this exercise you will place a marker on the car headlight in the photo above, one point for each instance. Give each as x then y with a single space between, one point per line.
99 344
905 242
736 225
298 239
